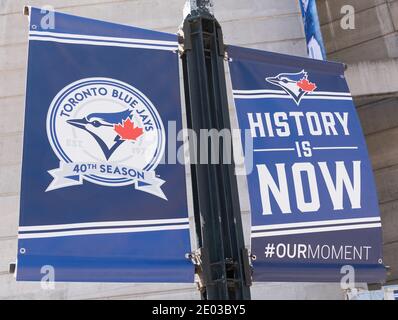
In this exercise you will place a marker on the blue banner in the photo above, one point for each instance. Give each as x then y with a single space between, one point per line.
312 29
313 200
97 201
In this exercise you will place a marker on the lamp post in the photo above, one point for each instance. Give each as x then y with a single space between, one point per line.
222 260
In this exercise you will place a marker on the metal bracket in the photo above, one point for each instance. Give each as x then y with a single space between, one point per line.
226 57
247 266
12 267
196 259
26 10
180 39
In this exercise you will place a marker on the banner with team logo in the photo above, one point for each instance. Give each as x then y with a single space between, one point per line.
314 208
99 202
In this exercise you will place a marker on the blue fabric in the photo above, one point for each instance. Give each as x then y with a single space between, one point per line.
145 256
292 241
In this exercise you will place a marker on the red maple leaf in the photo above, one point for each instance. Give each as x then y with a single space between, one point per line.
127 130
306 85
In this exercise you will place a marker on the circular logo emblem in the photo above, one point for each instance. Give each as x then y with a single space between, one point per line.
107 132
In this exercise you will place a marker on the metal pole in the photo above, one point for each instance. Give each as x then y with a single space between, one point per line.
222 260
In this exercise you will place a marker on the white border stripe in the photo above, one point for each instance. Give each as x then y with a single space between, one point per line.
314 93
314 97
274 150
262 96
335 148
251 92
108 39
313 230
102 224
108 44
314 223
329 93
100 231
310 97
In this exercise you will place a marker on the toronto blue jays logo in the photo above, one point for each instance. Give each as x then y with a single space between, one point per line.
106 132
99 125
295 85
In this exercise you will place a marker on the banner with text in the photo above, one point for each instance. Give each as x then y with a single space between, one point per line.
97 201
315 214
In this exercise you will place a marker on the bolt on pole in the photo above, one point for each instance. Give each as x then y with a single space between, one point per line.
224 262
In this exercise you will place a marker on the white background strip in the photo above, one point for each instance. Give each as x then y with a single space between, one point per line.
309 97
102 224
251 92
109 39
334 148
274 150
107 44
313 230
315 223
100 231
314 93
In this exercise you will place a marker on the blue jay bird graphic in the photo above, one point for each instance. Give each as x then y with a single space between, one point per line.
294 84
101 127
